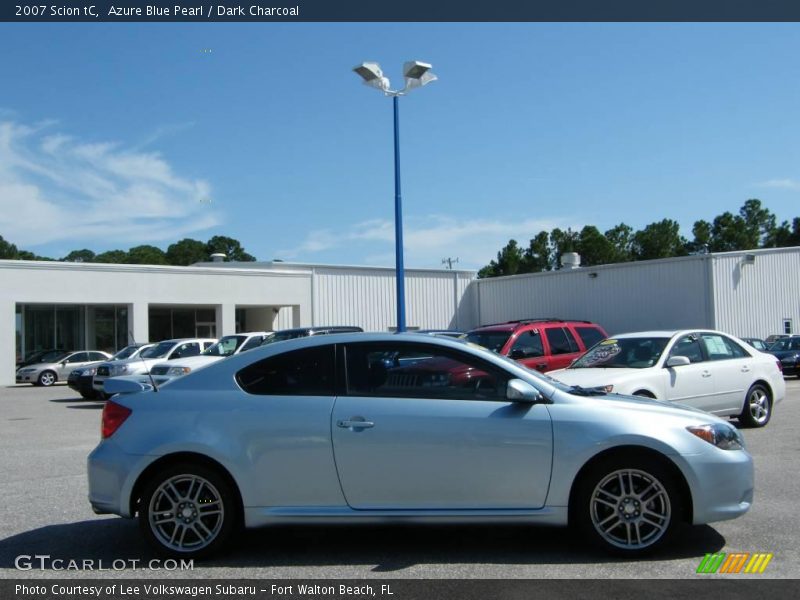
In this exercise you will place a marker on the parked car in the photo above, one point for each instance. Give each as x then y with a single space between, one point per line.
771 339
227 346
539 344
756 343
166 350
709 370
58 367
81 378
38 356
787 350
319 430
298 332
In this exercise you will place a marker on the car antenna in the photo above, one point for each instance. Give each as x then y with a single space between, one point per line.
149 374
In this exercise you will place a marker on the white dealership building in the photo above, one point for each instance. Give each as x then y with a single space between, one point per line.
105 306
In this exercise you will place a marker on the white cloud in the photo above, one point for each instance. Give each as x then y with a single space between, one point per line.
787 184
54 188
426 240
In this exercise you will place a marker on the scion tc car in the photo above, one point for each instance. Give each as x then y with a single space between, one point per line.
365 428
709 370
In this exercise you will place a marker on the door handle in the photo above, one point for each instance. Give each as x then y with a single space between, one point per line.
706 374
355 422
745 369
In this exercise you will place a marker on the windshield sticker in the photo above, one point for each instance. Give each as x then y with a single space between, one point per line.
600 354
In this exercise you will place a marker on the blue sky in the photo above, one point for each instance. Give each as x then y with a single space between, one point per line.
114 135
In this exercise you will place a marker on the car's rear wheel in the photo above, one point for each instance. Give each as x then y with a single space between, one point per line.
187 510
757 407
47 378
628 506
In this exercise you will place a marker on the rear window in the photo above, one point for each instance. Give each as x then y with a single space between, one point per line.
589 335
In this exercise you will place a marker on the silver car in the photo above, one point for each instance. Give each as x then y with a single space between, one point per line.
406 427
58 366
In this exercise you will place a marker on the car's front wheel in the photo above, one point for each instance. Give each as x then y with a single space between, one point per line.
628 506
47 378
187 510
757 407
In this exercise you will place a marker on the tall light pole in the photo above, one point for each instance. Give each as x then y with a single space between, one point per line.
416 75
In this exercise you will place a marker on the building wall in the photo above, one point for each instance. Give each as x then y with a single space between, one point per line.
646 295
752 298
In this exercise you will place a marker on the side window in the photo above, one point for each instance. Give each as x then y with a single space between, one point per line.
721 348
527 345
187 349
688 346
78 357
418 371
307 372
97 356
253 342
589 335
560 340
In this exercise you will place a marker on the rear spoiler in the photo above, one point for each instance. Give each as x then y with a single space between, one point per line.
122 385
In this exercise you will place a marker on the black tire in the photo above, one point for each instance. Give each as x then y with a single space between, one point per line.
757 409
47 378
632 521
179 526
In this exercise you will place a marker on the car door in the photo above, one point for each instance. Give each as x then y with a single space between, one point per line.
732 372
422 427
528 349
563 348
65 367
690 384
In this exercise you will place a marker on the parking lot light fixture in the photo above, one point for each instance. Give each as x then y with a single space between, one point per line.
416 74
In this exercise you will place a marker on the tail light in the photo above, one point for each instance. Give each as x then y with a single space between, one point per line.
780 366
114 415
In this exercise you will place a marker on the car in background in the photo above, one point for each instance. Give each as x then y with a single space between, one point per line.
298 332
58 367
227 346
38 356
539 344
771 339
756 343
159 352
319 430
81 378
708 370
787 350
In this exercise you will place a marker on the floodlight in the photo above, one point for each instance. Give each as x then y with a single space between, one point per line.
372 75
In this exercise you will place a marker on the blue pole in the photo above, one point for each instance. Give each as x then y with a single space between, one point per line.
398 226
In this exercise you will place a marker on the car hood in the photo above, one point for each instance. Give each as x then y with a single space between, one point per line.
594 376
657 407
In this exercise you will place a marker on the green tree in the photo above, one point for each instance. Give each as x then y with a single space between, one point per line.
82 256
8 250
728 233
594 247
659 240
508 262
784 235
536 257
112 256
186 252
621 238
701 230
146 255
759 222
230 247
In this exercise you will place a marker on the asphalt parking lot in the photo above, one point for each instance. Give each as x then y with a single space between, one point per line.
46 434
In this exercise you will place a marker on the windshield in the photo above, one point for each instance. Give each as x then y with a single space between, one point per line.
126 352
623 353
786 344
282 336
160 350
226 346
493 340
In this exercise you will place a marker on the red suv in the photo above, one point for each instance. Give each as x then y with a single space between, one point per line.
539 344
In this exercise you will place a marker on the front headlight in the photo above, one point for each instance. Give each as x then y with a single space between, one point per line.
178 371
27 370
86 372
720 435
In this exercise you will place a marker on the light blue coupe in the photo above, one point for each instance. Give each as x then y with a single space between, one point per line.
409 427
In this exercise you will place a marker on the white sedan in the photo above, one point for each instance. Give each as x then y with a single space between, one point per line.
709 370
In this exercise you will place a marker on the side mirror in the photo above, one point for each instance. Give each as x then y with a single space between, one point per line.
678 361
522 391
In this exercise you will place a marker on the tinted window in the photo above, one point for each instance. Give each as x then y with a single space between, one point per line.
78 357
184 350
688 346
589 335
307 372
560 340
253 342
527 345
721 348
493 340
96 356
420 371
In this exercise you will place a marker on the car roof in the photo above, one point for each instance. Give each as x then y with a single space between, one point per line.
513 325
